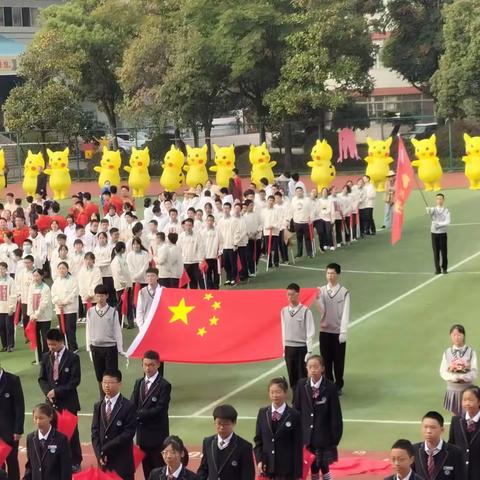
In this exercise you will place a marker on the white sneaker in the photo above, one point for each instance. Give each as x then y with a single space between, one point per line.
332 248
339 245
354 239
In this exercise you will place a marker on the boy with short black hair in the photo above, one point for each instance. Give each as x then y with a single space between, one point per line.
298 330
436 459
226 456
441 219
402 456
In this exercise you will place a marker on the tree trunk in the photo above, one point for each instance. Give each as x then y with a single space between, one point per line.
207 127
196 141
109 109
43 141
287 134
321 125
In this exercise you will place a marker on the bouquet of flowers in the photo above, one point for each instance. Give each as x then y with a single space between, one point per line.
459 365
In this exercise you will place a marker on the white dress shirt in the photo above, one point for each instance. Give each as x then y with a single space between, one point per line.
44 437
223 442
150 380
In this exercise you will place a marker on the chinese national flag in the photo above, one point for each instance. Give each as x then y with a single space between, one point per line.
215 326
403 187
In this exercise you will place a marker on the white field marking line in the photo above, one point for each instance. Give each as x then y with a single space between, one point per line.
362 272
243 417
464 224
356 322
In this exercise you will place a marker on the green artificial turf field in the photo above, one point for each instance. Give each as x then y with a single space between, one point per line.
400 317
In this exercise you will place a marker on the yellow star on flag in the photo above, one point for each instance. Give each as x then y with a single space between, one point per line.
201 331
216 305
180 312
214 321
208 296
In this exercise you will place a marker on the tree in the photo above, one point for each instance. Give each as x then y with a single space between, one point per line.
46 100
416 40
456 84
100 31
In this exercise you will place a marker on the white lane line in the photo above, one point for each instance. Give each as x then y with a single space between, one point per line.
356 322
464 224
362 272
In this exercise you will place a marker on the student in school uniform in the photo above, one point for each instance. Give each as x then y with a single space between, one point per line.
402 456
103 334
333 302
138 261
278 436
213 247
39 246
228 229
298 330
65 299
6 251
441 219
272 224
12 418
113 428
23 280
146 296
103 258
88 278
161 259
226 456
39 308
175 456
193 252
436 459
175 260
122 280
48 453
316 398
151 397
465 431
59 378
8 302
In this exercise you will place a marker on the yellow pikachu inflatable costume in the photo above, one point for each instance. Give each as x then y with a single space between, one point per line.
323 172
2 169
224 164
138 178
261 165
31 170
472 160
59 173
109 168
196 166
172 177
429 169
378 162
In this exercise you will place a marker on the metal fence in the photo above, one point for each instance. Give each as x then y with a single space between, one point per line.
289 143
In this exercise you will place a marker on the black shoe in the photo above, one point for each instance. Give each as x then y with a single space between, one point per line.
444 272
4 349
9 349
27 340
76 468
437 272
298 256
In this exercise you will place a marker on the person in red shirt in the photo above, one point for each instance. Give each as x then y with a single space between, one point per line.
116 200
126 197
90 207
106 202
82 217
235 186
3 228
20 232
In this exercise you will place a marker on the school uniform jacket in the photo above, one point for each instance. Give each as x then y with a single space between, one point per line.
279 449
161 474
237 461
53 463
321 417
449 462
114 439
469 443
69 377
12 407
152 411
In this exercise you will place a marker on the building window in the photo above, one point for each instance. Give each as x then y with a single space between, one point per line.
17 16
34 16
2 18
26 17
7 11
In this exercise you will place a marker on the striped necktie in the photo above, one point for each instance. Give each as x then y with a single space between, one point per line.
471 425
430 464
56 366
108 410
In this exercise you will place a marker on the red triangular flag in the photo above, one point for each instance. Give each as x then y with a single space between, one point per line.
403 187
18 311
184 279
31 334
66 423
62 322
5 450
136 291
124 299
138 456
308 458
239 268
203 266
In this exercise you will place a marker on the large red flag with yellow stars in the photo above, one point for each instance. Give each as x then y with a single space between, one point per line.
215 326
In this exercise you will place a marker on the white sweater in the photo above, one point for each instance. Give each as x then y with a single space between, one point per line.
242 231
370 195
120 273
272 221
103 259
8 295
88 279
138 263
39 250
228 229
161 261
22 282
51 241
65 294
325 209
253 223
193 250
76 262
213 242
6 255
175 261
301 210
39 304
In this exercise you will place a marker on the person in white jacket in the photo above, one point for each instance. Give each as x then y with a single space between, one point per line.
161 260
228 229
65 299
62 255
213 248
253 221
242 241
8 302
138 260
193 251
326 215
51 238
146 296
272 224
23 280
371 195
39 308
103 258
39 247
175 260
122 282
88 278
6 252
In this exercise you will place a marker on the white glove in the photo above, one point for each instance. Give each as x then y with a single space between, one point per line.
342 338
307 356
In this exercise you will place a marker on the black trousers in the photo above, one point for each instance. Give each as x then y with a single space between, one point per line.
104 358
242 255
25 318
338 232
230 263
282 246
353 223
324 230
173 282
196 279
439 245
346 228
13 468
302 232
82 313
296 366
153 459
75 447
164 282
363 218
42 329
71 330
211 275
254 251
274 253
7 330
333 352
370 226
108 284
